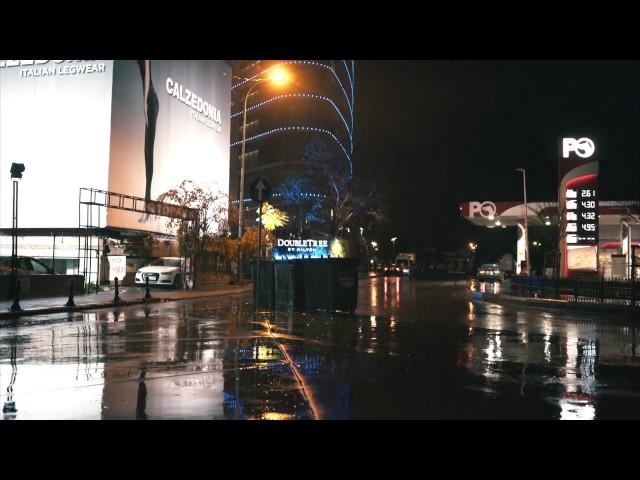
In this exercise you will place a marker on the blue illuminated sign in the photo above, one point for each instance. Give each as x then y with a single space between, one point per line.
290 249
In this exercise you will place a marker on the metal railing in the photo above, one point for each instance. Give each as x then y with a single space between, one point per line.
596 290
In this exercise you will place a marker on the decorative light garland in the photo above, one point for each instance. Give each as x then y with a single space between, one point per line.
300 129
304 95
308 195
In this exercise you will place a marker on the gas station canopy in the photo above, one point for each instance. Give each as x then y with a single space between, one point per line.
509 214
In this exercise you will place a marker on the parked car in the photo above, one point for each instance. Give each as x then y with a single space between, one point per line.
26 265
163 271
490 272
393 270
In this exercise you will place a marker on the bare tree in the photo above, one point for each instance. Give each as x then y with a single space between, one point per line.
348 200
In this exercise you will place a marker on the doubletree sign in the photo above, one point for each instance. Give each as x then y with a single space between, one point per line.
287 249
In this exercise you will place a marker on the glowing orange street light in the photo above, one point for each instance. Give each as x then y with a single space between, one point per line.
279 76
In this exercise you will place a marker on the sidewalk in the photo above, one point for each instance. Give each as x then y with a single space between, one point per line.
128 296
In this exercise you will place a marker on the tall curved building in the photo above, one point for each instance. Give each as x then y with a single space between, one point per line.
317 104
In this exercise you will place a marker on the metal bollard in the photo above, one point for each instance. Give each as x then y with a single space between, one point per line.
70 302
16 297
116 297
147 294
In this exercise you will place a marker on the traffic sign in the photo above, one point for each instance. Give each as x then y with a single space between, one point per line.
260 190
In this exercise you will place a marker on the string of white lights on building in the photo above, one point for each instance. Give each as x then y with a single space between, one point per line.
300 129
303 95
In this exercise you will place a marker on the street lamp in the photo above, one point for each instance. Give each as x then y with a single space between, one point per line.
526 226
16 175
393 241
278 77
473 246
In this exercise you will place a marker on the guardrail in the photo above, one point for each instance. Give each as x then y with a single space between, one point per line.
597 290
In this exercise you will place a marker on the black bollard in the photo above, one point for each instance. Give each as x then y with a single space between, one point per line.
70 302
116 297
16 297
147 294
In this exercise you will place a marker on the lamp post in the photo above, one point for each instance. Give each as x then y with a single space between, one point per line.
277 76
473 247
393 241
526 226
16 175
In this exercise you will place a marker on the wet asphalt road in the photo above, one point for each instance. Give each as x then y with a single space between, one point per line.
414 350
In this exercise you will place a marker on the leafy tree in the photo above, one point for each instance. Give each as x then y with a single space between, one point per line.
142 247
272 217
223 246
249 242
212 209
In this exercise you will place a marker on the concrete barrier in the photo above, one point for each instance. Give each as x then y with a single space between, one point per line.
41 286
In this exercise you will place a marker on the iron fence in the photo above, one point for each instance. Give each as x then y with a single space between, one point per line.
596 290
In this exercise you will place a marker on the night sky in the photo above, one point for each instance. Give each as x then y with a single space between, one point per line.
443 132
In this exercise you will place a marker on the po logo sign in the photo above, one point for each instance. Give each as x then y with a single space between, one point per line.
583 147
485 209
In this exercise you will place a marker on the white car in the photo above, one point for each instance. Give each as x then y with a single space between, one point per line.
163 271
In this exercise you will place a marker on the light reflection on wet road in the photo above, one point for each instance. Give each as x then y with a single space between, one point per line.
414 349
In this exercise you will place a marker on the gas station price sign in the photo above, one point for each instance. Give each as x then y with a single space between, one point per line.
582 215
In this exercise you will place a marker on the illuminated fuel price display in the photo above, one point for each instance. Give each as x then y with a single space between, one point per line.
582 216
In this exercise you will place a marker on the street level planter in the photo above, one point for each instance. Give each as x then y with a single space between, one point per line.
265 298
289 285
329 284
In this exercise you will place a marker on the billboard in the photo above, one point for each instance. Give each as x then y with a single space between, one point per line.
55 117
169 123
134 127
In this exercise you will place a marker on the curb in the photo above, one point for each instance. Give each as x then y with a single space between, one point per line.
121 303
